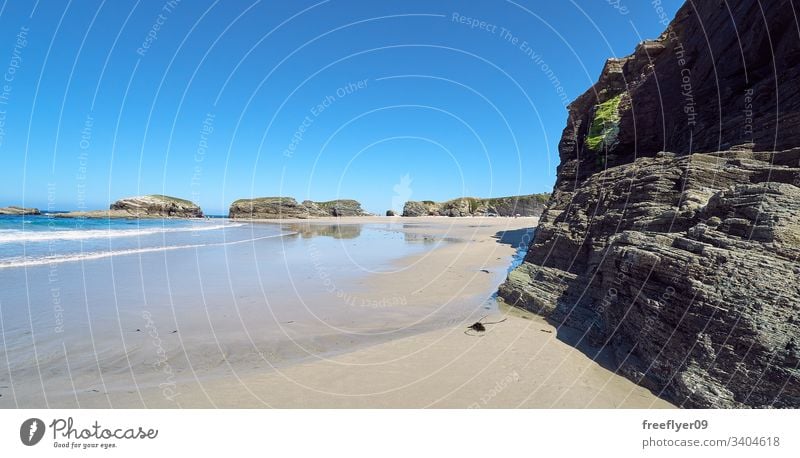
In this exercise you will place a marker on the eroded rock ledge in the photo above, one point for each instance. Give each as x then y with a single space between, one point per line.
530 205
289 208
684 263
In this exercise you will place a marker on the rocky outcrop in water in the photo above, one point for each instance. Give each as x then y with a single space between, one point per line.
159 206
289 208
19 211
530 205
684 263
152 206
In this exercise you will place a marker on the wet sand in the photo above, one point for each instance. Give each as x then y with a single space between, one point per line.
424 357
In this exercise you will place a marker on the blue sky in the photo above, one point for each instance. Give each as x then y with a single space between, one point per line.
219 100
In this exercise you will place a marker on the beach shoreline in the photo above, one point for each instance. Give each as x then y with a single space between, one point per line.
426 361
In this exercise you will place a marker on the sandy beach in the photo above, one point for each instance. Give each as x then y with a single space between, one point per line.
516 364
421 356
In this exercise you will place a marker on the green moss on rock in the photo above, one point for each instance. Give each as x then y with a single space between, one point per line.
605 125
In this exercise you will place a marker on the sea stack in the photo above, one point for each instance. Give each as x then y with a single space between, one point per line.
19 211
289 208
673 234
151 206
159 206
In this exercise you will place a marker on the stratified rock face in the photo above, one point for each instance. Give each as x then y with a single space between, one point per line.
272 207
342 207
425 208
287 207
17 211
157 206
684 264
530 205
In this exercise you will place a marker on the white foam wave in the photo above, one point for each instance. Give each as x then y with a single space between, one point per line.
75 257
15 236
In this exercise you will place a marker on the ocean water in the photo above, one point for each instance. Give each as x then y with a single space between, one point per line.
42 240
95 305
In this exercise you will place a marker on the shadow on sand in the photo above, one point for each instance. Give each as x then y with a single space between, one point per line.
602 355
516 237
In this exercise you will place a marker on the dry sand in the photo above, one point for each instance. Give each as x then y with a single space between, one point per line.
520 362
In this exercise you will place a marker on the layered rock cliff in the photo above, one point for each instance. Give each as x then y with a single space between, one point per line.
672 237
530 205
289 208
152 206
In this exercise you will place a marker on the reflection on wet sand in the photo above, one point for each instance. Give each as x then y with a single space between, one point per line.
351 231
337 231
411 237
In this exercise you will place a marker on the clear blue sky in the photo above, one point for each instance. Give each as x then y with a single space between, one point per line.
107 99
